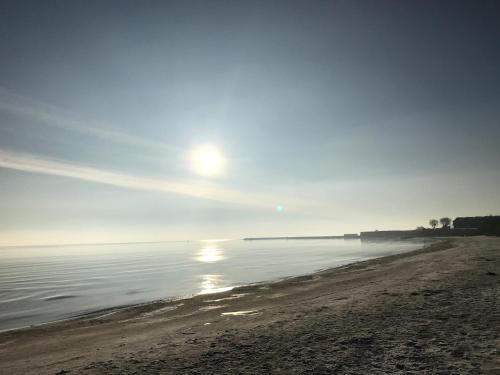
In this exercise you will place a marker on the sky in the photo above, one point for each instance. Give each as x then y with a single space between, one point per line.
328 117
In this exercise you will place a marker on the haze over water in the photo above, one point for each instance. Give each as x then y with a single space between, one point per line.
42 284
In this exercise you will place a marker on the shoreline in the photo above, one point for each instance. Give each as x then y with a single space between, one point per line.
239 330
93 314
96 314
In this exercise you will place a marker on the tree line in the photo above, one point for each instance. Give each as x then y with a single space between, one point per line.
444 221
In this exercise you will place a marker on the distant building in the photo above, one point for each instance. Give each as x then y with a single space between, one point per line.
402 234
483 224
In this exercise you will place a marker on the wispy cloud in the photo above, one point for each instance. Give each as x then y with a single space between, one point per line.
56 117
36 164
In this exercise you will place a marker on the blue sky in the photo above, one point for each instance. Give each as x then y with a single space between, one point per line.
352 115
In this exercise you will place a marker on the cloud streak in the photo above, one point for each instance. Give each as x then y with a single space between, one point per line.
36 164
57 118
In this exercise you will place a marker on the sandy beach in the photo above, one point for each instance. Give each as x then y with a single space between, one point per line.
432 311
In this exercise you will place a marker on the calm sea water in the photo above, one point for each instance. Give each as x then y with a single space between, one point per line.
43 284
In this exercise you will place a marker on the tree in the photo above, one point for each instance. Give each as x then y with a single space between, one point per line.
445 222
433 223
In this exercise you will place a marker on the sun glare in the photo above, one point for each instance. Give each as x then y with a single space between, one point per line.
208 161
210 254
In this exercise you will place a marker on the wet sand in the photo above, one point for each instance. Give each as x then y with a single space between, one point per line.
432 311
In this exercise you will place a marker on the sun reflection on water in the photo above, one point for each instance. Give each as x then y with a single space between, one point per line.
212 284
210 254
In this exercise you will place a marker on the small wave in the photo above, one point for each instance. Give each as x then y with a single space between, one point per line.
58 297
132 292
18 298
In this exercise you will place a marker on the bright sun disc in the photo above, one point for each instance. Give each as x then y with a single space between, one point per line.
208 161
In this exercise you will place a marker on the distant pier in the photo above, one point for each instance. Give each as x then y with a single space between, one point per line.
344 237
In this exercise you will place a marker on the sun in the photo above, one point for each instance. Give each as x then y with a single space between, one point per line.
207 160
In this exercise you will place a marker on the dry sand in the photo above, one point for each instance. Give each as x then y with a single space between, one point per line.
432 311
